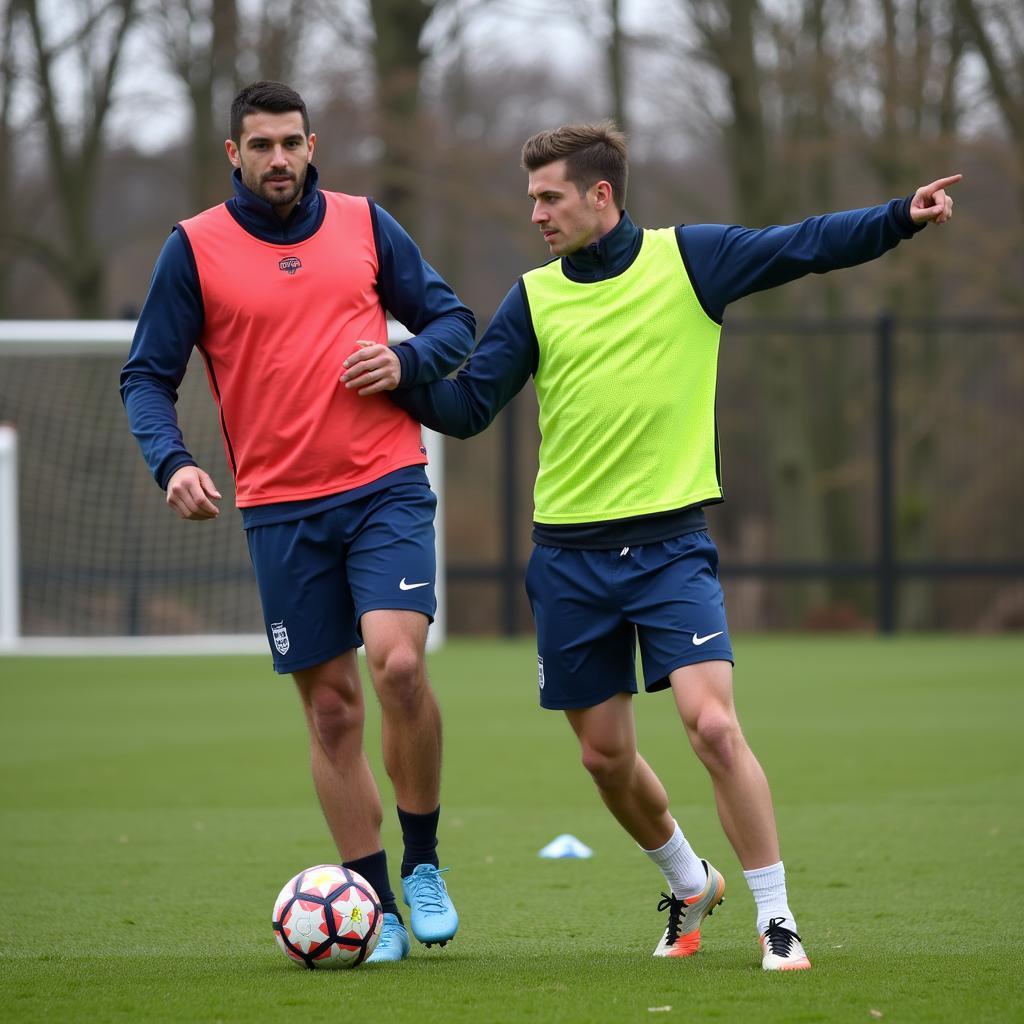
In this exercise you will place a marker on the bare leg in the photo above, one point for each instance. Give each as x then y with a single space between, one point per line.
411 719
628 786
703 694
332 698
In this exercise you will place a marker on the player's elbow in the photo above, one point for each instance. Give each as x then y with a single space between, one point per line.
467 429
477 418
460 427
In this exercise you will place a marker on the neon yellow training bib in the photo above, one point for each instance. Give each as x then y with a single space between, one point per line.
626 385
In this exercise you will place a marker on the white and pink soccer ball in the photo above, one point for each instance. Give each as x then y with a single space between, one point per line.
327 916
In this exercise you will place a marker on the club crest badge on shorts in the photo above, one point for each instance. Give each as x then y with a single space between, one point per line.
280 634
540 671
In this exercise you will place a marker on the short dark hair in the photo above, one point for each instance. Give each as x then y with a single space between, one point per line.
592 153
269 97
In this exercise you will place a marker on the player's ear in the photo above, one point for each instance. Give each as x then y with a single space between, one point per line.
231 148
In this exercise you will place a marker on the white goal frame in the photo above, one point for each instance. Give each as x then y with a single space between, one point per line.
113 337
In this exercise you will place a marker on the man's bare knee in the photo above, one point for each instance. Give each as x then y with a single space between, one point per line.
400 678
610 769
337 717
717 739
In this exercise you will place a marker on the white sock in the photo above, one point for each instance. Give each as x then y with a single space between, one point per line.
769 888
682 868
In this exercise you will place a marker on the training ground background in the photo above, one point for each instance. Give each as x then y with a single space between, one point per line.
151 809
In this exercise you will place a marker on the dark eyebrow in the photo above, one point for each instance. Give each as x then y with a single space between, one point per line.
260 138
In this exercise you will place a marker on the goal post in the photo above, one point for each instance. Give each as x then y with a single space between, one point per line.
90 557
10 605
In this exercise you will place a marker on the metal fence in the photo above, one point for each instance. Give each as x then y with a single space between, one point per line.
874 477
873 472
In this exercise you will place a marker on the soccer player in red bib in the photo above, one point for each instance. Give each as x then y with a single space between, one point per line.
284 289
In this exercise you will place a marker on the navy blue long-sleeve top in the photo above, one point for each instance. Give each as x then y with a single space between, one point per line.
724 262
171 322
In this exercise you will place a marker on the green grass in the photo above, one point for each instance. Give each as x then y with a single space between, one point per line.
150 810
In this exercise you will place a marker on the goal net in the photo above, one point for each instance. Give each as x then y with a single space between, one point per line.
90 556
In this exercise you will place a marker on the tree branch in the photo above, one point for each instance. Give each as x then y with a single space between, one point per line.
1012 106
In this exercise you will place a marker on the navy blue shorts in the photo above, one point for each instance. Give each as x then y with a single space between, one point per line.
318 576
591 607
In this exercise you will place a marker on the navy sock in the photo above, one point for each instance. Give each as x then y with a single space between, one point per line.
419 833
374 869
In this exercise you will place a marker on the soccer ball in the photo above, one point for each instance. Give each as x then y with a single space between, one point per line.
327 916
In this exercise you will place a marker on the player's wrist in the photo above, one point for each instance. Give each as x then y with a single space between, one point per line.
407 365
905 215
167 471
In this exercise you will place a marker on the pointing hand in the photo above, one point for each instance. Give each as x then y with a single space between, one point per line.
930 202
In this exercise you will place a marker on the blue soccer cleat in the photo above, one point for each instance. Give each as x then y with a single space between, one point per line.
393 943
432 916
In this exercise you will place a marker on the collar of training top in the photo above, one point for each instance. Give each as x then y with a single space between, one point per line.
609 255
257 216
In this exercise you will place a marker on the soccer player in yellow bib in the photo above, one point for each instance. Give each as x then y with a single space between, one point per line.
620 333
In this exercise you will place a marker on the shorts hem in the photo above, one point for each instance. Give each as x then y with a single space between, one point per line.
571 705
392 606
314 659
661 681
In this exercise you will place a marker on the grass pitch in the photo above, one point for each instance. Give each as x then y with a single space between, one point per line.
151 809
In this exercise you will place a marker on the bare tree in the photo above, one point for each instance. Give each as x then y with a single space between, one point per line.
74 143
398 62
920 48
214 46
615 53
7 169
996 30
726 42
275 38
730 38
200 39
803 88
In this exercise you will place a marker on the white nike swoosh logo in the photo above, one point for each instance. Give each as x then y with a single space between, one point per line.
411 586
698 640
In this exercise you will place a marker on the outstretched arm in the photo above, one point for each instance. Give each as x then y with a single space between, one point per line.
496 371
727 262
